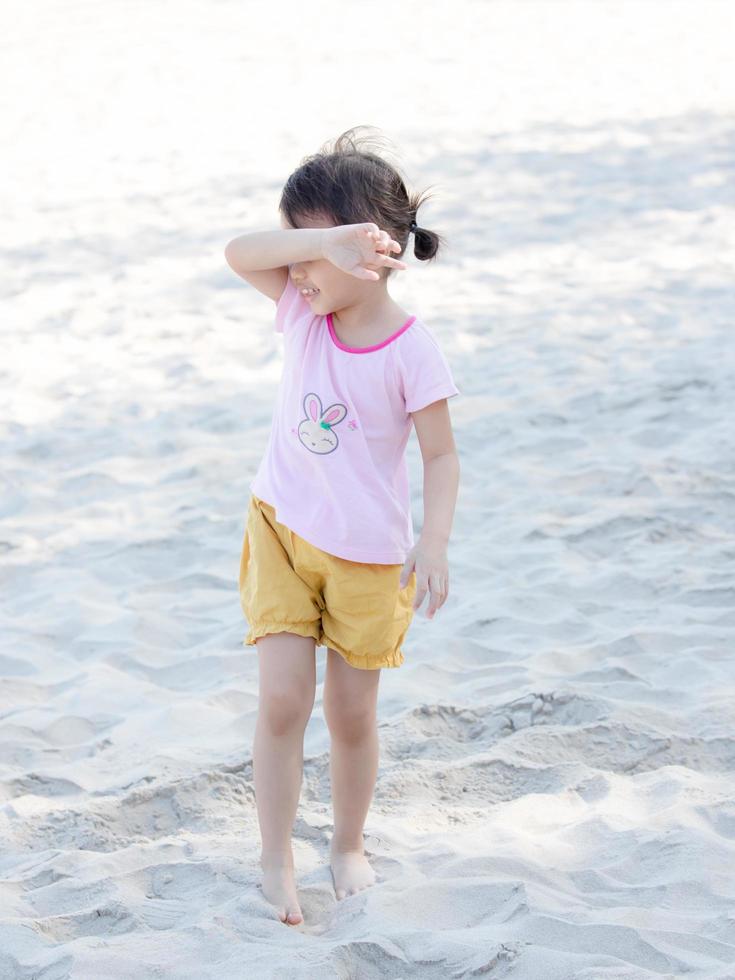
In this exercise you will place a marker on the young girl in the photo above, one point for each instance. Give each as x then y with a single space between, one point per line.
328 556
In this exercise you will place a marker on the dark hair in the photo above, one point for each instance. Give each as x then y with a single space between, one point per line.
348 184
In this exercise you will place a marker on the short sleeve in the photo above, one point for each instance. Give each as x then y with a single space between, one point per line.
290 307
425 373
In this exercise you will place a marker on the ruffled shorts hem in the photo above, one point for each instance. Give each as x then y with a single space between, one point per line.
363 661
302 629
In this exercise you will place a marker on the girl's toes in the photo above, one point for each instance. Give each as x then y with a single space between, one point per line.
295 917
341 893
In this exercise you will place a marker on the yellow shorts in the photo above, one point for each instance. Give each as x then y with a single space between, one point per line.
288 584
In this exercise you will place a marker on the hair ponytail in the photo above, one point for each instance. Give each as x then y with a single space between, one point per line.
426 243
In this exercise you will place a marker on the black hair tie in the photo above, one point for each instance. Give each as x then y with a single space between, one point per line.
413 227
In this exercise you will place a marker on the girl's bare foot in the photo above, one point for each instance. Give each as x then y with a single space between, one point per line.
351 871
279 887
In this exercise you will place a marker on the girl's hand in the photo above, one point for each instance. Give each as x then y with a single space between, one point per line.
432 573
360 249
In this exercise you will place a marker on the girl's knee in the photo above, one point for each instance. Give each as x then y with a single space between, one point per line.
284 711
348 722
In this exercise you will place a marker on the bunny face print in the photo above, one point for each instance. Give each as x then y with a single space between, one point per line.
315 429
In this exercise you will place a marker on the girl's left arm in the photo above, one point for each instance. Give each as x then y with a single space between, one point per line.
441 482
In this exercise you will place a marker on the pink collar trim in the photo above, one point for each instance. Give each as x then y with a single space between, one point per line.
365 350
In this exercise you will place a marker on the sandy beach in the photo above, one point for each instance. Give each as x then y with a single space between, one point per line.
556 792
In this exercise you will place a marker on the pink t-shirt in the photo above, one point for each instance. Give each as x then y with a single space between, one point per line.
335 468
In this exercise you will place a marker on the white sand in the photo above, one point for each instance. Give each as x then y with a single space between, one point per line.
555 796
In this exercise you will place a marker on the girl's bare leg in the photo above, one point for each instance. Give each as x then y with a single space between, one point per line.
350 702
287 669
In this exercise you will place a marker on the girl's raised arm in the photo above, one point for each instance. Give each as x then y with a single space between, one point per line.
262 257
271 249
358 249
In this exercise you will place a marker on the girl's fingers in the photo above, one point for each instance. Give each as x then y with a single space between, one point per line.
383 244
439 589
384 239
